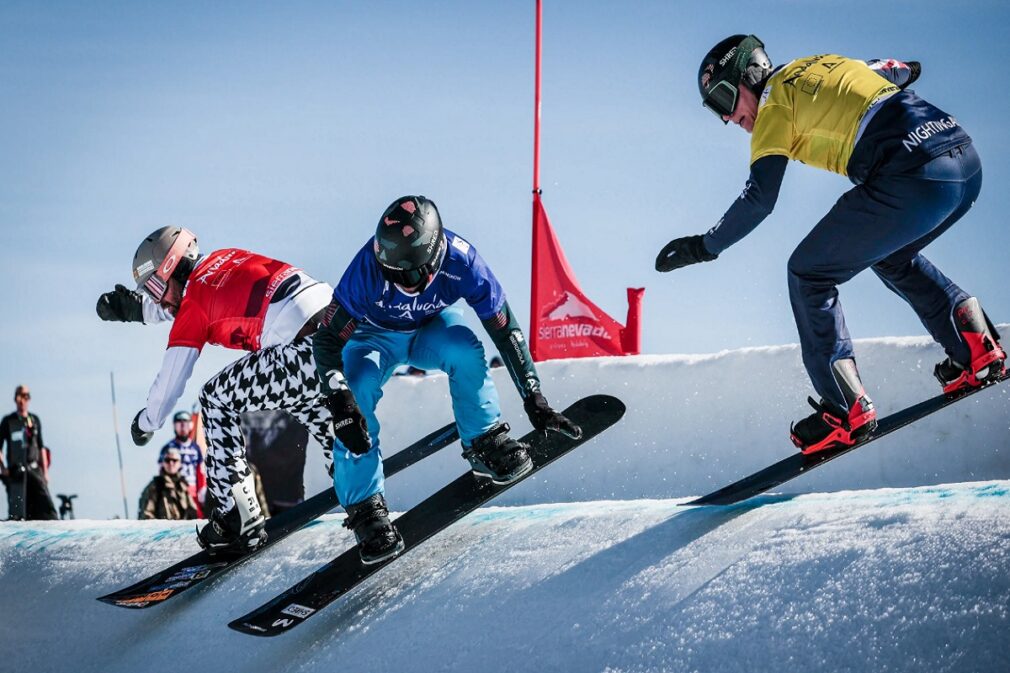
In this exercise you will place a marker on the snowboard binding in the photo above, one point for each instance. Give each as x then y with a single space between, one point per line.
987 359
498 457
832 427
377 538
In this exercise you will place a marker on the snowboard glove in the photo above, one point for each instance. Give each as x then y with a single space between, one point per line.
681 252
121 305
349 424
544 418
140 438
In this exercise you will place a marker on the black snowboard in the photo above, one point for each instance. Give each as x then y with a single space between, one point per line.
797 464
201 566
593 414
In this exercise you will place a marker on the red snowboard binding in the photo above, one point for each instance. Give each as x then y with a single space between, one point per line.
832 427
988 359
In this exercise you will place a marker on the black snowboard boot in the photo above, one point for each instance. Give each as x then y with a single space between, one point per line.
497 456
225 534
988 360
378 539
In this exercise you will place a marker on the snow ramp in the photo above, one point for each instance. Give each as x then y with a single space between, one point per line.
891 579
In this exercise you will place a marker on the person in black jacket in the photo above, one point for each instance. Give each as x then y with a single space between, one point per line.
24 472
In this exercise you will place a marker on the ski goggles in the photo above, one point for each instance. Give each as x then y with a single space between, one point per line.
411 278
721 100
157 284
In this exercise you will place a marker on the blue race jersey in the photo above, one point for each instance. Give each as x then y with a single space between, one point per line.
367 296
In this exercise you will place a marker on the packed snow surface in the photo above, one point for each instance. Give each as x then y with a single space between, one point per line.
902 575
891 579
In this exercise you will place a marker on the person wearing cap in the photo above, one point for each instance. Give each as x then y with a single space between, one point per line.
237 299
915 173
167 496
192 468
25 473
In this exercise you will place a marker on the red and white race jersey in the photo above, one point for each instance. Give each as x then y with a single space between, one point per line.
227 300
236 299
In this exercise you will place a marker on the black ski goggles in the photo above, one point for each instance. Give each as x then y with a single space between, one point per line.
421 276
721 100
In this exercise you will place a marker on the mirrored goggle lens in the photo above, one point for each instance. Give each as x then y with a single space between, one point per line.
721 100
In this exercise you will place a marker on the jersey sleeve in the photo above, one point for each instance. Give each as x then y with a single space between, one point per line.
328 343
773 132
482 291
176 368
896 72
508 338
754 204
190 329
352 292
152 312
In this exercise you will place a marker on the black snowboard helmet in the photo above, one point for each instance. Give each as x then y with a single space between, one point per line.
737 60
409 242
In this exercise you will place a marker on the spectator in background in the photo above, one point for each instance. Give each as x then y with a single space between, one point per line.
192 468
25 472
168 496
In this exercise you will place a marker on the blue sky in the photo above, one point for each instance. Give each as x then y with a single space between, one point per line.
287 128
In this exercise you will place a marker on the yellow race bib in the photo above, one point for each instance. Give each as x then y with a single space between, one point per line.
811 109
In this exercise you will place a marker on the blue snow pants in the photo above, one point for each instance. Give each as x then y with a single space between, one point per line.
370 357
882 224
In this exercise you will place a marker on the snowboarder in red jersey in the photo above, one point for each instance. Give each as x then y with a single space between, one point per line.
237 299
916 174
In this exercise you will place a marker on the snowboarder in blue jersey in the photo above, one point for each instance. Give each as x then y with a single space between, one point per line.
916 174
393 306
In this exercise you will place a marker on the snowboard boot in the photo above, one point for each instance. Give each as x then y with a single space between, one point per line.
988 360
497 456
241 529
378 539
830 426
224 534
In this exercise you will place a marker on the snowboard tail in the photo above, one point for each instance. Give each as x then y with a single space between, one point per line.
202 566
798 464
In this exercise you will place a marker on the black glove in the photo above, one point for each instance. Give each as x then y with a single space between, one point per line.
140 438
681 252
916 68
348 422
544 418
121 305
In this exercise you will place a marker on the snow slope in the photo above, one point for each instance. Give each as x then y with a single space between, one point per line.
694 423
895 580
903 575
697 422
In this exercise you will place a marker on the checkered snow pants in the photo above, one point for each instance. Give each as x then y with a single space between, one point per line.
276 378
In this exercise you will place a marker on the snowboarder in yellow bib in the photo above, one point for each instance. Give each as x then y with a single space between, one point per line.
916 173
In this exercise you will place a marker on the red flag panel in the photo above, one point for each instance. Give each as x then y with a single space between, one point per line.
565 322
